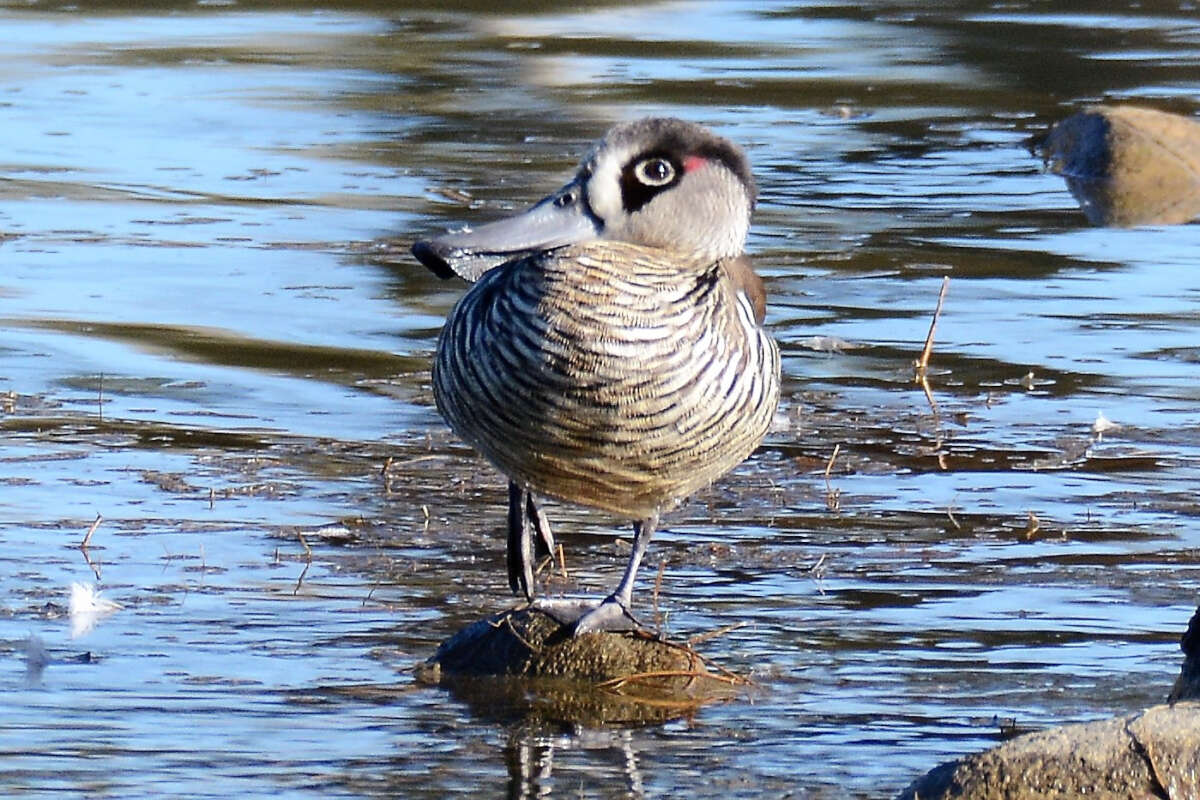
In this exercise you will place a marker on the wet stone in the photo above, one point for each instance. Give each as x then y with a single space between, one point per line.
523 663
1128 166
1151 754
1155 754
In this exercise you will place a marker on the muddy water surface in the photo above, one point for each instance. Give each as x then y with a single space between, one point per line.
212 338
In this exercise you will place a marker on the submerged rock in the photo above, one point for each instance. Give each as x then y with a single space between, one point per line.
1152 754
525 664
1128 166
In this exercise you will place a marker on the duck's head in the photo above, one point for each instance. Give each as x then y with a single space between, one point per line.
657 182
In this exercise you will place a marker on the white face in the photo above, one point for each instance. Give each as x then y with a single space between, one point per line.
660 183
603 188
646 195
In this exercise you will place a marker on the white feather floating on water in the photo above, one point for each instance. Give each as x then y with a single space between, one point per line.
1103 424
87 608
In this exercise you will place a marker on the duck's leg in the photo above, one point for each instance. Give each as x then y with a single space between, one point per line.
520 543
529 536
543 543
613 613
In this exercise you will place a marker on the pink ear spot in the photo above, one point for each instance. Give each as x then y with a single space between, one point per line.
693 163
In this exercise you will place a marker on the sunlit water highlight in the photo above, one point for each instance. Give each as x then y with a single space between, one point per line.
213 338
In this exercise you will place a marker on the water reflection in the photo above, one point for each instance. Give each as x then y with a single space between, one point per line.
530 758
201 208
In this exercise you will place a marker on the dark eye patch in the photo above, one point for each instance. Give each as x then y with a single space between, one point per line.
635 192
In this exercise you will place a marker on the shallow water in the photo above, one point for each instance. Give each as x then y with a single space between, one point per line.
215 340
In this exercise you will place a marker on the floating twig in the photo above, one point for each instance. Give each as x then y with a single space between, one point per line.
1033 527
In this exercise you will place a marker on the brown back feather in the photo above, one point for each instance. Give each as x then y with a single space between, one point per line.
742 276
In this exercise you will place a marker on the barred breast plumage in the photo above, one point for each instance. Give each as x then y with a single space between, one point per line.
608 374
611 352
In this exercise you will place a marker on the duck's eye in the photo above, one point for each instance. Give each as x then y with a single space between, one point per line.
565 199
654 171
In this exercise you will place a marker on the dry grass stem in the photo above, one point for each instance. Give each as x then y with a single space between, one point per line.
731 676
833 497
953 520
87 537
307 562
411 461
300 580
923 361
383 474
617 683
923 381
837 448
920 375
547 563
704 637
513 630
95 565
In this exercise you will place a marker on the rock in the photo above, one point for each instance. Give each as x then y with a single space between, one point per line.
1152 754
1128 166
1155 754
525 664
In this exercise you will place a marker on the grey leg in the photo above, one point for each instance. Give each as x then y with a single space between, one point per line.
613 613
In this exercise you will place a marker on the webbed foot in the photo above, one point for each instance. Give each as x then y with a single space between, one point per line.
610 616
587 615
